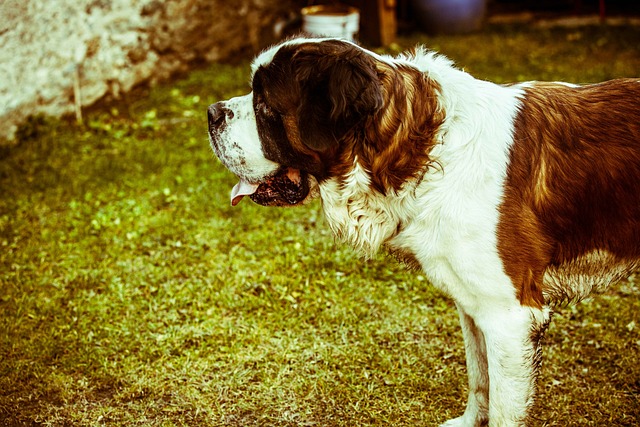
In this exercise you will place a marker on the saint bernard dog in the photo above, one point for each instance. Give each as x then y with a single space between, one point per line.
511 199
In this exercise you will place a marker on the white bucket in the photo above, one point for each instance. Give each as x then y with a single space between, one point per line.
331 20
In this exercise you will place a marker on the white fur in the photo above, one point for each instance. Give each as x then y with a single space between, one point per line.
449 219
592 272
358 216
239 146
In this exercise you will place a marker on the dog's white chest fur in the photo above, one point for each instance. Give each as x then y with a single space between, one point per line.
446 220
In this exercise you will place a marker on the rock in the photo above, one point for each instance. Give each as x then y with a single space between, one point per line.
105 47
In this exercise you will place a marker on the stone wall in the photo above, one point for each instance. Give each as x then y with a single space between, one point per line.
59 55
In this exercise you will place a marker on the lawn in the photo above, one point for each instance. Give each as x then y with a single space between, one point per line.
132 293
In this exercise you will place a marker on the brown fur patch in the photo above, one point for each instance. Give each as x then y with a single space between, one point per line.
573 182
337 103
395 144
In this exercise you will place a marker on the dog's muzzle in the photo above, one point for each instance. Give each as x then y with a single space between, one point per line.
275 185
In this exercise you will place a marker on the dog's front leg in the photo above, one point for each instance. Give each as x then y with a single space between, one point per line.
512 336
476 413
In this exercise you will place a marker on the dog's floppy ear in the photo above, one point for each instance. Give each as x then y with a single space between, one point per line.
340 88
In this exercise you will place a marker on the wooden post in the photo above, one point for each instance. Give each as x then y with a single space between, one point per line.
378 24
77 94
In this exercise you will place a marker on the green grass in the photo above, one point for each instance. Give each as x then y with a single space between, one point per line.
131 293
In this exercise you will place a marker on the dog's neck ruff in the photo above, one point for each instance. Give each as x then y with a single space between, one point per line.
468 152
361 218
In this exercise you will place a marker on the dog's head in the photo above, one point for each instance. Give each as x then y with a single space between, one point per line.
284 136
318 107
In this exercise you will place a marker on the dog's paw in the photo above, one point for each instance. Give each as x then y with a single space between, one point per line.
456 422
464 422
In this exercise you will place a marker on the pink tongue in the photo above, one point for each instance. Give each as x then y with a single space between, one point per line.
241 189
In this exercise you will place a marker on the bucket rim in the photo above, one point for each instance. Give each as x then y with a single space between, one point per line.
329 10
